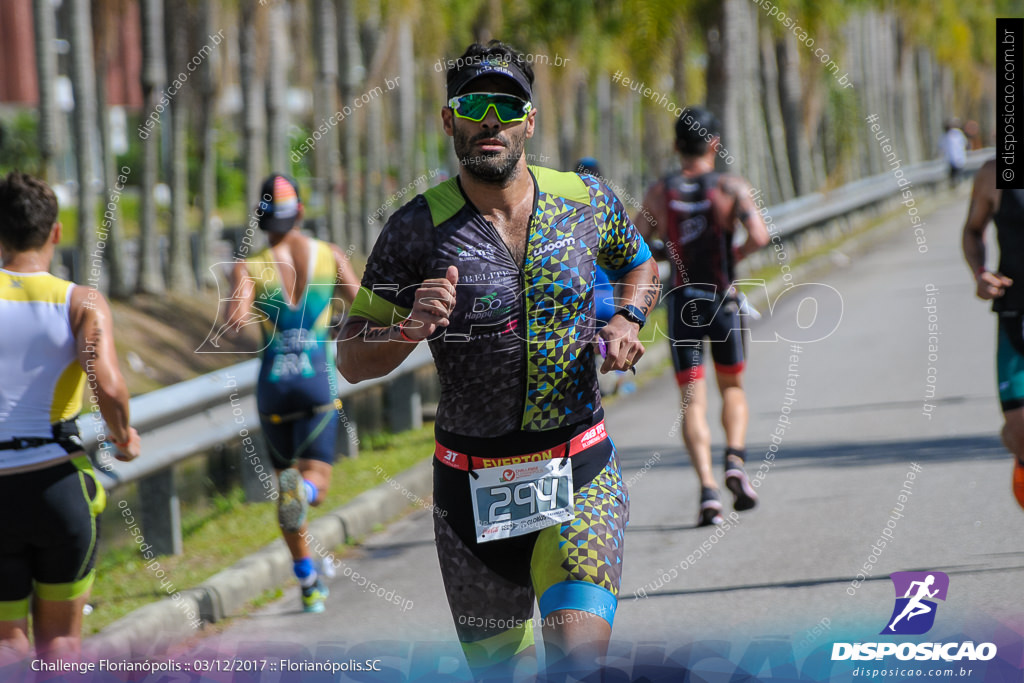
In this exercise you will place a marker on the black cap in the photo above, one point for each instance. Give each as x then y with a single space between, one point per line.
279 204
469 68
694 128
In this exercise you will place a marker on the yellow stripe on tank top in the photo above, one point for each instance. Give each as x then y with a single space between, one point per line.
67 393
44 288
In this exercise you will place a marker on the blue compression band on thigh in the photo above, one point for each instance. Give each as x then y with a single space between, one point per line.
579 595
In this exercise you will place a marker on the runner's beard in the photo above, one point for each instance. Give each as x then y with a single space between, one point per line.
498 168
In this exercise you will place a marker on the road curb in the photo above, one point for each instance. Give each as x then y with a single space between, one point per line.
160 625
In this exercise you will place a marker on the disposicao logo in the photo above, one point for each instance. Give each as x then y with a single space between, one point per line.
913 615
914 612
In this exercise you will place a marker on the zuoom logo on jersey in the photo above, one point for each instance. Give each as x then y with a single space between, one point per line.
916 593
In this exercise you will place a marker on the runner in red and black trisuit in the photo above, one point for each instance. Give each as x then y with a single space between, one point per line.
694 214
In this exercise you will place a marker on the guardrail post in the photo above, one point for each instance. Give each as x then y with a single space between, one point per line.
405 408
258 480
161 513
347 443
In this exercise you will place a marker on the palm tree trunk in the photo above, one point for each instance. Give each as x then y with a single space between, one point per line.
326 104
179 266
791 106
46 75
773 114
207 153
154 69
83 82
104 18
908 101
350 59
408 163
277 87
253 122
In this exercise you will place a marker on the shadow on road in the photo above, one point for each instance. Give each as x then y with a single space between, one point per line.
947 449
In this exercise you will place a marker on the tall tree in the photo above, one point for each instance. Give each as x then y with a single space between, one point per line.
106 15
46 78
179 261
277 84
208 148
83 82
773 114
253 118
154 69
352 75
407 143
791 106
325 102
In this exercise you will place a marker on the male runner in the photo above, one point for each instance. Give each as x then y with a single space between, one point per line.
56 335
496 269
1005 288
694 213
292 284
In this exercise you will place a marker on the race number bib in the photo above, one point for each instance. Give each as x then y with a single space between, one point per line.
520 499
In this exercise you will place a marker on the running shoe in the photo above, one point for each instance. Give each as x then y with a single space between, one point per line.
710 507
313 597
1018 482
291 512
736 480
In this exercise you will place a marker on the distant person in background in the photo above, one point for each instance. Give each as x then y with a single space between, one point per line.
57 336
1005 289
292 283
973 133
695 213
954 149
604 289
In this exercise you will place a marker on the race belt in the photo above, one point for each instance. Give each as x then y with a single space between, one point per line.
577 444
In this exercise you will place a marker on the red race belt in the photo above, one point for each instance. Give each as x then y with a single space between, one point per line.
579 443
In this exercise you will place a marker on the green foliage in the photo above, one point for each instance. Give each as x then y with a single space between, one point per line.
19 145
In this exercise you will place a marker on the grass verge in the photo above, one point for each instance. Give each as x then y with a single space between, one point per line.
230 529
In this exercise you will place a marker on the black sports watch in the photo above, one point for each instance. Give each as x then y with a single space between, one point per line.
633 314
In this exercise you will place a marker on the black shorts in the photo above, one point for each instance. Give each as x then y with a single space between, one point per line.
310 437
48 545
576 565
695 315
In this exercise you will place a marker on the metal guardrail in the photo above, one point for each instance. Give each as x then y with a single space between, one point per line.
205 412
796 215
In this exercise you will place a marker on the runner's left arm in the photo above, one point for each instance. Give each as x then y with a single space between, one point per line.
745 211
93 326
989 285
624 254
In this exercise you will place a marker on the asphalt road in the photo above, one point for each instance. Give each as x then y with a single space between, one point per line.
773 592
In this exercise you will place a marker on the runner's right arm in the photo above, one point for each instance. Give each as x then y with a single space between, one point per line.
370 348
980 213
243 293
93 327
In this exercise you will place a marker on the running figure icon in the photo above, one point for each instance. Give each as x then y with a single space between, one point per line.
917 595
915 606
